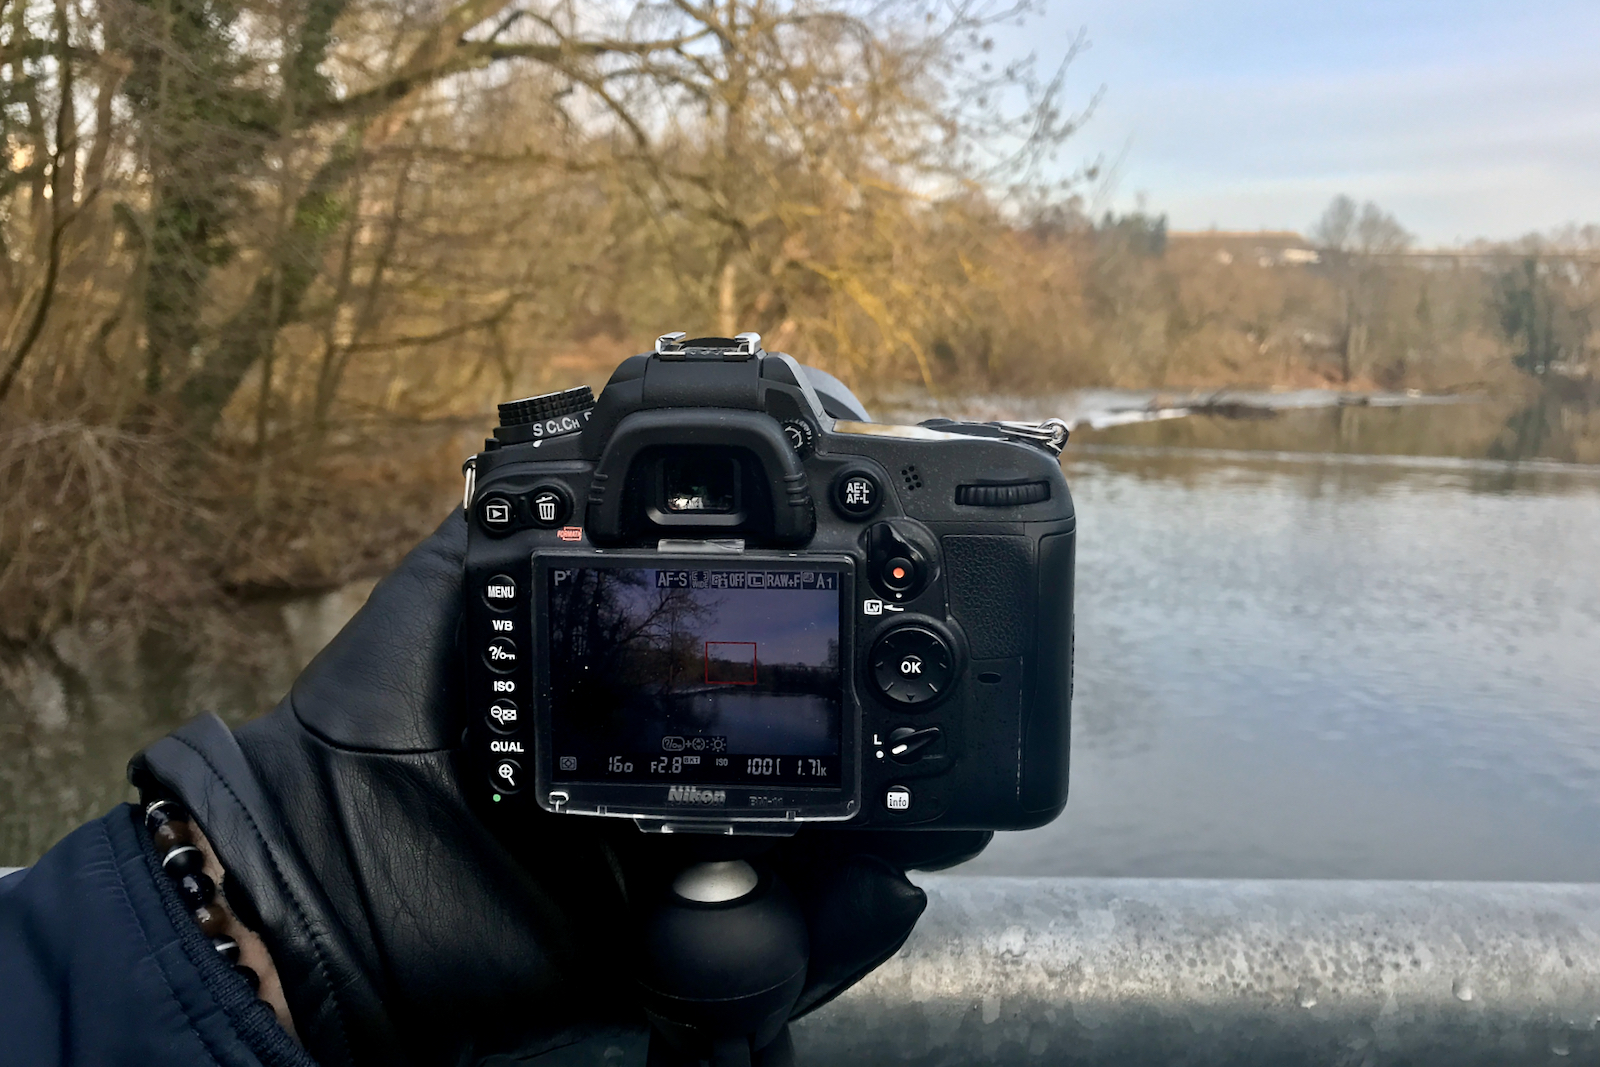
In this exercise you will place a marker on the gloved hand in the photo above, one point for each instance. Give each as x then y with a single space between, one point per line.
402 930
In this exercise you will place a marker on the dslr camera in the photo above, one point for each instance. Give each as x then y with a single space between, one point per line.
718 598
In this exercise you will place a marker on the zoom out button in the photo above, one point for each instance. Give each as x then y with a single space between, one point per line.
503 717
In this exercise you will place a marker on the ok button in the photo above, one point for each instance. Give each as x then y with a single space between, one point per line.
912 665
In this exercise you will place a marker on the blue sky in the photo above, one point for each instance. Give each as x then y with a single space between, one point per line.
1465 118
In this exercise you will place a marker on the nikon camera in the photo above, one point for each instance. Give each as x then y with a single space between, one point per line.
718 598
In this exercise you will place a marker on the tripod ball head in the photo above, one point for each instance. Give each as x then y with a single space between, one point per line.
725 955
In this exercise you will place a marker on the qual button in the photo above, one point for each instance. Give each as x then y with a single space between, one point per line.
506 775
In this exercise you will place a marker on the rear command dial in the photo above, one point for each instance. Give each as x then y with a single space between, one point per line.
912 665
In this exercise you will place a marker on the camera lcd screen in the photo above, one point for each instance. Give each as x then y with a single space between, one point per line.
726 675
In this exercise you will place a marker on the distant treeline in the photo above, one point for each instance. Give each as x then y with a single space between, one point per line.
1352 303
260 256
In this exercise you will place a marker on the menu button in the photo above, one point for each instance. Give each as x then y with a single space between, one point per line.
500 592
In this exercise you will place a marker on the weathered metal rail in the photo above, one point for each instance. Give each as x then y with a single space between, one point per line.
1144 971
1126 972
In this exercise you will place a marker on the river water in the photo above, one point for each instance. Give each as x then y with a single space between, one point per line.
1293 661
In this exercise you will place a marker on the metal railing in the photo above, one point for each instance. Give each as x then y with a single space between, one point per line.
1144 971
1005 971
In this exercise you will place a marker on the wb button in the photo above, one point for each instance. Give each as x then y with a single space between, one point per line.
501 655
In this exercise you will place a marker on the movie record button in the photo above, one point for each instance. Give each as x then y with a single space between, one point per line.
500 592
912 665
506 775
501 655
503 716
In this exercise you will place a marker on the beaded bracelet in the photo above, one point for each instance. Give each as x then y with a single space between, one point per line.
185 855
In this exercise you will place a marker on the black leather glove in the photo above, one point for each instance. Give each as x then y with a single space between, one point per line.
405 932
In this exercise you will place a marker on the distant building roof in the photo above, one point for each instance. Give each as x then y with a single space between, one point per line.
1275 237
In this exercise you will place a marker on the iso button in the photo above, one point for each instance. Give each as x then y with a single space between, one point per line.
501 655
503 717
912 665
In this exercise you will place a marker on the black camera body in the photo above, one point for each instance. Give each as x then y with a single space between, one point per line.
718 598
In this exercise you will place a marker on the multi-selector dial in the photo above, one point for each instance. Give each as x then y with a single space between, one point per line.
912 665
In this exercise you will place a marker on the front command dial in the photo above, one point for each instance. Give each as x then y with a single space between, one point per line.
912 665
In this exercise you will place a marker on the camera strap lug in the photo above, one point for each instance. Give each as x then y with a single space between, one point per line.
1050 434
469 470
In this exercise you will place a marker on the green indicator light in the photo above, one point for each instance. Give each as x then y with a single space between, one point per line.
497 798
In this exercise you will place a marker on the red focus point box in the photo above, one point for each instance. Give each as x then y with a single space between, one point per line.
730 663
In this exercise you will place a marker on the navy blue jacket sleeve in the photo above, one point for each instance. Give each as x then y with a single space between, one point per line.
101 965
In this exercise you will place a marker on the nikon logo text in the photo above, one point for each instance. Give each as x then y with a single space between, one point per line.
688 794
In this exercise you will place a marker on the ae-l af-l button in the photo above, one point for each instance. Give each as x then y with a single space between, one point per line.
912 665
